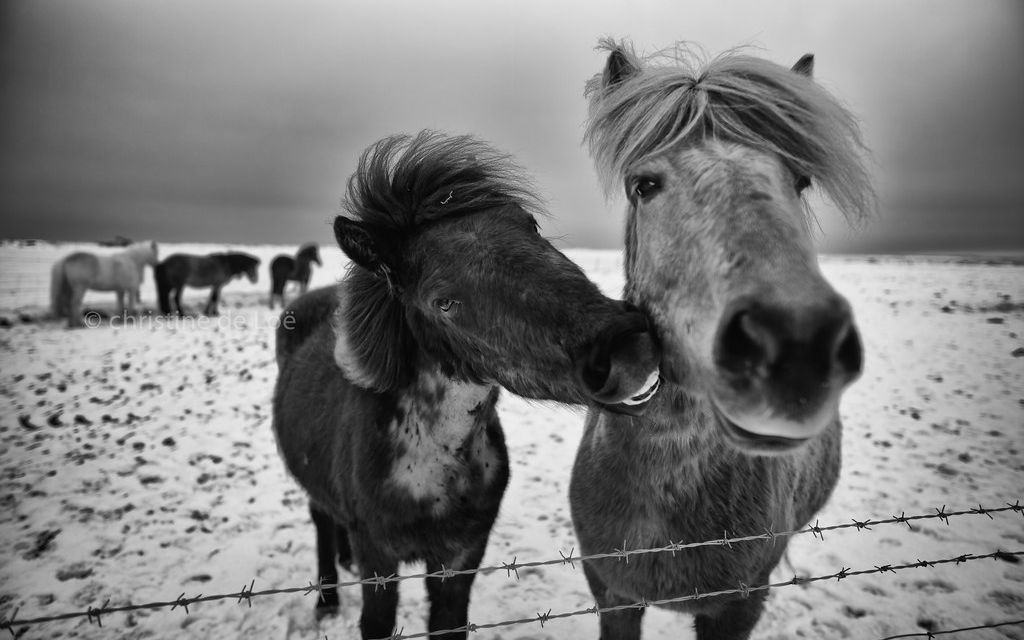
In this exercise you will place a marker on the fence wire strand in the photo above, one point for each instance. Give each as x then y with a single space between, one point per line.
247 592
946 632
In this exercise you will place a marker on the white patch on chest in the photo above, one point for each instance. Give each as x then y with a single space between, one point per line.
437 441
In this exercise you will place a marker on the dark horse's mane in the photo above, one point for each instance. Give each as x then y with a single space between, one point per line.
236 262
400 184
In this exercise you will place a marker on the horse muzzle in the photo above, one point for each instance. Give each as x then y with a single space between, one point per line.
779 371
620 369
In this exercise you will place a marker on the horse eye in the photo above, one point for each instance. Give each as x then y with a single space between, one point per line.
447 305
646 187
802 183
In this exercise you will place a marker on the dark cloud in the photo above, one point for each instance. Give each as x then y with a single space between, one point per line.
234 121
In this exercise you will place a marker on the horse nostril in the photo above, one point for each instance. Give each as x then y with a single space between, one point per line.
849 355
595 370
745 346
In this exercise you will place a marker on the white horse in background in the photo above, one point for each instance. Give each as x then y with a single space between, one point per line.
121 272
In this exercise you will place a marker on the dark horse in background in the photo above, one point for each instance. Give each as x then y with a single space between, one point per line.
182 270
757 348
285 268
384 409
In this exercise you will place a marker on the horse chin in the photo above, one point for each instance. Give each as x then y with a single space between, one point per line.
760 442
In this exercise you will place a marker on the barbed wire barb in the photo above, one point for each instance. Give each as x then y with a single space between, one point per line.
9 622
246 594
511 568
568 559
543 618
903 518
982 511
816 531
446 573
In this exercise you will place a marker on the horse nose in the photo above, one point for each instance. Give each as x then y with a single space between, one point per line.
619 368
811 343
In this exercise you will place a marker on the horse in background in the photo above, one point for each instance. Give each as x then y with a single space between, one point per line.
757 347
121 272
385 404
284 268
182 270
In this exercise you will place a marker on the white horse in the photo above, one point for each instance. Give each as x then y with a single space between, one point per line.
121 272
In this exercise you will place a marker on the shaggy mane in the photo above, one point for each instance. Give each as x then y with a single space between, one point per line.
679 96
403 181
400 184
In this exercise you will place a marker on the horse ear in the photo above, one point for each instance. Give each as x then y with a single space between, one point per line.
365 246
618 68
805 65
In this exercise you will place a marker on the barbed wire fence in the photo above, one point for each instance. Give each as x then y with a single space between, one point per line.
247 594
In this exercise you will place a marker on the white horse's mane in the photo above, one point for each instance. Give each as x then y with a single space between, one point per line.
679 96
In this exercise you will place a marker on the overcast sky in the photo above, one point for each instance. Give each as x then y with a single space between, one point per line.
239 121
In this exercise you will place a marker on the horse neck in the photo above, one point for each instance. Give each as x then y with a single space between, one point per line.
236 268
442 409
139 257
302 263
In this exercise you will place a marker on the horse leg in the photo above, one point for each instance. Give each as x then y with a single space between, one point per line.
177 301
327 569
344 549
275 290
449 597
623 624
75 307
120 303
211 304
736 619
380 601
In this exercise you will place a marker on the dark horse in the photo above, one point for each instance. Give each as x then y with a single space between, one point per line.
384 409
215 270
757 348
284 268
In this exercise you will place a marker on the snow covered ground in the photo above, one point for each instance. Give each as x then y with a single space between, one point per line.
137 463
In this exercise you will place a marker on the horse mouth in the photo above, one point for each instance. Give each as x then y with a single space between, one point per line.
651 386
635 404
752 442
